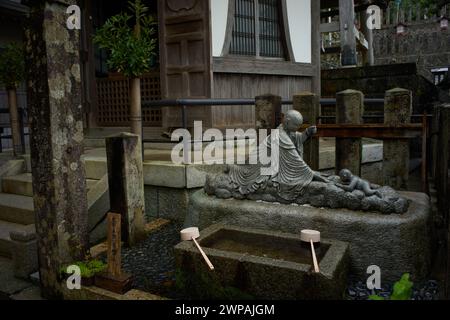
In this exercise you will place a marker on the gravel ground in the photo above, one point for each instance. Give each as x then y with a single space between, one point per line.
357 290
152 263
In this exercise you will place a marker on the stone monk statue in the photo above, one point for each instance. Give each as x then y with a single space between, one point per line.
293 174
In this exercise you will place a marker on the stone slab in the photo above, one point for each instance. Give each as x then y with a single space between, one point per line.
396 243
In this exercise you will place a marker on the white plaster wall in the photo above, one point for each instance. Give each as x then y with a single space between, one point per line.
299 19
219 15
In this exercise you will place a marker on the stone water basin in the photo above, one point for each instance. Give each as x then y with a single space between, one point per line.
261 264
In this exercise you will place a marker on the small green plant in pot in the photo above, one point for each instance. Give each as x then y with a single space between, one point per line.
12 73
131 51
88 270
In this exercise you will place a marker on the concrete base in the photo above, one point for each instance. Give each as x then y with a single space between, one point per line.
395 243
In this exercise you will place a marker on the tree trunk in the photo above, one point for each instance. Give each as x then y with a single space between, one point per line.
135 107
15 125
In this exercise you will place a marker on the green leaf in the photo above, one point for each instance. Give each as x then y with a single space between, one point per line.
375 297
402 288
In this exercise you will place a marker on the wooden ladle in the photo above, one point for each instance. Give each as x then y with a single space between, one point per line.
193 233
311 236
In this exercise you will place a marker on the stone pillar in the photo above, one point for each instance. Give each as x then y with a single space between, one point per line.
24 253
126 184
397 111
56 141
349 110
347 27
308 105
267 111
369 58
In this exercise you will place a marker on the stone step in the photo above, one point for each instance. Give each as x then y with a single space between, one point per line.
22 184
16 208
5 240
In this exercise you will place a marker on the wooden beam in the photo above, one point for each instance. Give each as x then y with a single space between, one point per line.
348 36
333 26
375 131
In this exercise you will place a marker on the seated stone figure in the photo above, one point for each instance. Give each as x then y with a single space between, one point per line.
293 174
352 182
294 182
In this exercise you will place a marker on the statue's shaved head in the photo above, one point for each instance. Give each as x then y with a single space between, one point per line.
292 120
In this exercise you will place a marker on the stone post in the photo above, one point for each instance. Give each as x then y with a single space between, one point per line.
349 110
267 111
397 111
308 105
24 253
56 141
126 184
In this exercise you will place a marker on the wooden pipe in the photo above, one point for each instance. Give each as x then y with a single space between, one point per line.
192 234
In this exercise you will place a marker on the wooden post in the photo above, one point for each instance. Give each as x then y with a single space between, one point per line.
114 279
126 184
308 105
56 141
397 111
135 106
114 242
14 120
348 37
349 110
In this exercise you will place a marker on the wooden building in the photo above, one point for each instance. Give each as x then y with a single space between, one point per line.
211 49
236 49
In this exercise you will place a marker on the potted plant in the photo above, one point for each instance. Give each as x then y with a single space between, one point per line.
131 51
88 270
12 71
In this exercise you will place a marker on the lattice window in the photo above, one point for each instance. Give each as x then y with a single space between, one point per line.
256 30
113 100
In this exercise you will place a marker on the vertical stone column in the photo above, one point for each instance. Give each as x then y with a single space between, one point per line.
267 111
349 110
126 184
397 111
56 141
308 105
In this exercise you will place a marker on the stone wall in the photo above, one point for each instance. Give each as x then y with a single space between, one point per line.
424 43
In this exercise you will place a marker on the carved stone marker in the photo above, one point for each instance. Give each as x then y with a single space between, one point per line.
126 184
349 110
56 141
267 111
397 111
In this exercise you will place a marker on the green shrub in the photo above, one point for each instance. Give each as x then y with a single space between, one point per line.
131 49
87 268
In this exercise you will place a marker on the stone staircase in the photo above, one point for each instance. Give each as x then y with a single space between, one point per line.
16 201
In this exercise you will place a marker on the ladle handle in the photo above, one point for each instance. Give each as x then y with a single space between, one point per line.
316 265
210 265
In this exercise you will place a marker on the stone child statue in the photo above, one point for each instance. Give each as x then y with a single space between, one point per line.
352 182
